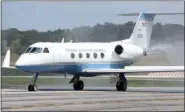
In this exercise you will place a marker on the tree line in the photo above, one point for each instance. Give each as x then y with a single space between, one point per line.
18 40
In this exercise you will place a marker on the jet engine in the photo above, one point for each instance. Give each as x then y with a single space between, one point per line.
128 51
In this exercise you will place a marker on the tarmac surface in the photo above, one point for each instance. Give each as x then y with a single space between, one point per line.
93 99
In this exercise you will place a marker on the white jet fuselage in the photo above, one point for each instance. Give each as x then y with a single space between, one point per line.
73 58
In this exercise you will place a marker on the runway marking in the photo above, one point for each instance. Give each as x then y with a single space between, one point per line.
92 102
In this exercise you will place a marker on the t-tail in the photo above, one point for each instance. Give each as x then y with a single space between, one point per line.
142 31
141 34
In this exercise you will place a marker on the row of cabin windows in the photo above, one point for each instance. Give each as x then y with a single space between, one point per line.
95 55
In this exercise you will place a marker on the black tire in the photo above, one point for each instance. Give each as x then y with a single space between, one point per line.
78 85
118 87
81 85
75 85
121 85
32 88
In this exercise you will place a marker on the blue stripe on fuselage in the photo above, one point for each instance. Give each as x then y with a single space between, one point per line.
69 68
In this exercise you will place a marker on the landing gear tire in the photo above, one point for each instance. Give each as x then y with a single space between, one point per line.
121 85
32 87
78 85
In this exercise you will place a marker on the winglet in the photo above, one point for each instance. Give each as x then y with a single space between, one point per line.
6 62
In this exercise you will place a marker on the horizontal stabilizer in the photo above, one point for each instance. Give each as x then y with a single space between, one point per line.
138 69
155 13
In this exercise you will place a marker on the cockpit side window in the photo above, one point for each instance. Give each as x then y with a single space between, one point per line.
46 50
36 50
27 50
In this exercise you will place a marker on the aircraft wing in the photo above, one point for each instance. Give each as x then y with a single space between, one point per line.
138 69
6 63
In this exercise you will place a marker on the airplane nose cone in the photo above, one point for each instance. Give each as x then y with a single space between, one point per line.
21 61
24 63
18 63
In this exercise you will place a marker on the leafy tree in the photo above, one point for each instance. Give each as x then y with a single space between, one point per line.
18 41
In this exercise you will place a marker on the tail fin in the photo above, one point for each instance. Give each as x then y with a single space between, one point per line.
141 34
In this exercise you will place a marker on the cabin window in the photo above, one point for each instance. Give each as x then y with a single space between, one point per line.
80 55
36 50
46 50
72 55
102 55
27 50
87 55
95 55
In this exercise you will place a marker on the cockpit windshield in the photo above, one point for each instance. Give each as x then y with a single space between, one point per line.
27 50
36 50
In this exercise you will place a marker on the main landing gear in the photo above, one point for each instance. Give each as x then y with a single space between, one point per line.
121 85
77 83
33 87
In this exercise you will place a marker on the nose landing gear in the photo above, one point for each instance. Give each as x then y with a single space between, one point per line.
33 87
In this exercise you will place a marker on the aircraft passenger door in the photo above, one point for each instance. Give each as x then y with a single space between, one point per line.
46 57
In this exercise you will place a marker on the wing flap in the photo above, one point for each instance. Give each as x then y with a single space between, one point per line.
138 69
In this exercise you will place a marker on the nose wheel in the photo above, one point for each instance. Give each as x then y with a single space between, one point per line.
33 87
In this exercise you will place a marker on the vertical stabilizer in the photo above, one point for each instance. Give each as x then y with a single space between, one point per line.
141 34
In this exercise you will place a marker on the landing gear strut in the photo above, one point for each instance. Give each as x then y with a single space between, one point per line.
33 87
77 83
121 85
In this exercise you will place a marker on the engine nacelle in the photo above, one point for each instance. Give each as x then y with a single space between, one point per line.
128 51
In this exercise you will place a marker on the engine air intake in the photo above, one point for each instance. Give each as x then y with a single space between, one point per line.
118 49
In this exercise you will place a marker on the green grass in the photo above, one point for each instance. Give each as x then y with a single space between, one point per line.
8 81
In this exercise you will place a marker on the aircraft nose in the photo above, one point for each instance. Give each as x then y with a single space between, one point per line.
18 63
21 64
21 60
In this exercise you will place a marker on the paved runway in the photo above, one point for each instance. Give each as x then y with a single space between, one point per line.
94 98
